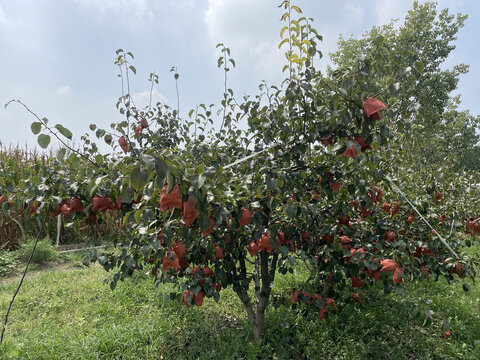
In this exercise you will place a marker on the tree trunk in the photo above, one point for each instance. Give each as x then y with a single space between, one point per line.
256 318
264 276
259 325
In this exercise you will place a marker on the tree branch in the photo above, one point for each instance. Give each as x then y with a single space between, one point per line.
257 279
247 303
266 282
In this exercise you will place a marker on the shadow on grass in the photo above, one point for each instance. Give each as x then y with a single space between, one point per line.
383 328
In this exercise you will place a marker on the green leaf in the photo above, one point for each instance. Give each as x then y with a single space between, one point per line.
100 133
145 250
420 66
74 161
138 177
64 131
93 127
126 194
149 161
342 92
36 127
291 211
210 172
203 221
282 42
61 153
378 40
445 325
170 181
198 181
297 9
137 215
394 88
161 168
195 289
131 67
284 251
99 159
43 140
272 184
108 139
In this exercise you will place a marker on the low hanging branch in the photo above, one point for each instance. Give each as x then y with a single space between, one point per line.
21 280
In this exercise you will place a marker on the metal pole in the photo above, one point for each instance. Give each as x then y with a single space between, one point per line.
59 229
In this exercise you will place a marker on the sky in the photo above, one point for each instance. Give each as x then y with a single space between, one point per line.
58 55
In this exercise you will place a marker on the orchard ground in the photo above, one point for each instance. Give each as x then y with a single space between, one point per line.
64 311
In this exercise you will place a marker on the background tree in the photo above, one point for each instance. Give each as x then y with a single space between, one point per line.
437 132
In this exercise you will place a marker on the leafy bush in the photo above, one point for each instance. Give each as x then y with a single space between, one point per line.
8 262
43 253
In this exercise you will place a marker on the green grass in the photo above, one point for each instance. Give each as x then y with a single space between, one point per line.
62 314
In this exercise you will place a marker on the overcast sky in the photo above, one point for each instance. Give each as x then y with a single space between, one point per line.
57 55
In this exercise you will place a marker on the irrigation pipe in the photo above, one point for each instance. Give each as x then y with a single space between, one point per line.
80 249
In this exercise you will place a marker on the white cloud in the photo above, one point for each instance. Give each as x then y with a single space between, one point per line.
64 90
387 10
142 99
118 7
182 3
250 29
24 27
454 6
3 17
355 12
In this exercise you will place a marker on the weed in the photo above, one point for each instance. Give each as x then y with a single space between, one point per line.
44 252
8 262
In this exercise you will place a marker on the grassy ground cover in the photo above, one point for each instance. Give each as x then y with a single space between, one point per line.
68 313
